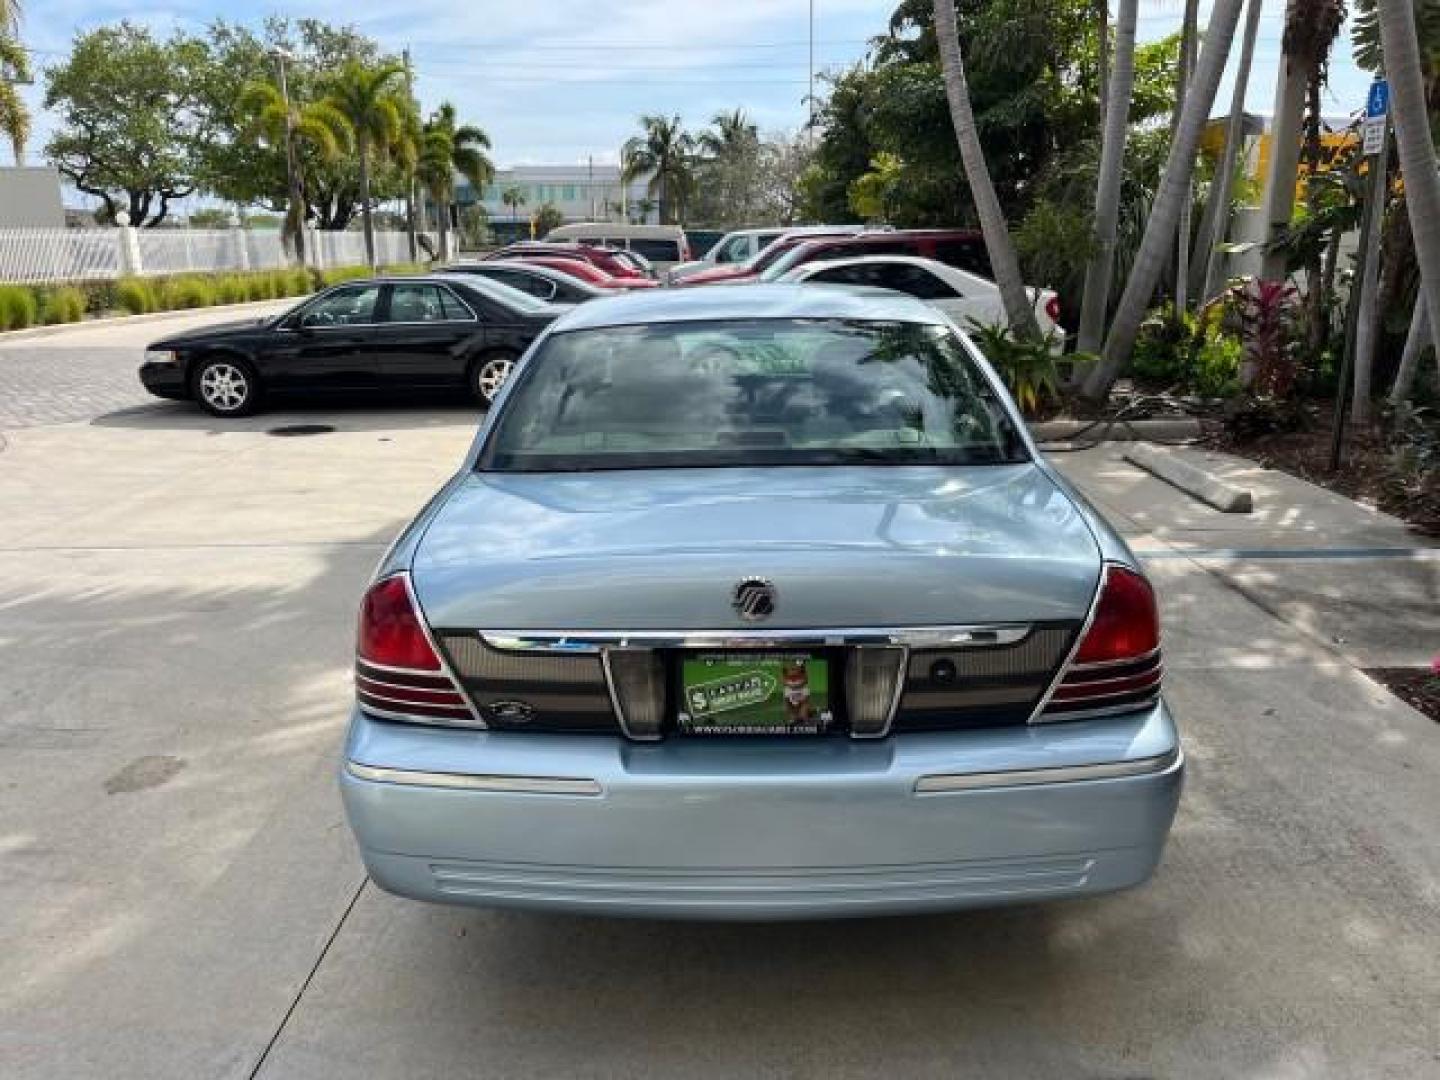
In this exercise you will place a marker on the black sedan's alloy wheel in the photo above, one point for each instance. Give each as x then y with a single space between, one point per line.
489 375
226 387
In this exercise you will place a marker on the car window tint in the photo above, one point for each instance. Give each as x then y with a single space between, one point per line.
452 307
751 392
416 304
857 274
531 283
657 250
915 280
353 306
968 255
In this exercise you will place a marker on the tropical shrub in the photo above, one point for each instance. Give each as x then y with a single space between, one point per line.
1269 314
184 293
18 308
63 305
136 295
1028 367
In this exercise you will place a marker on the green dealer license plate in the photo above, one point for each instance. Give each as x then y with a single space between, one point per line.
754 694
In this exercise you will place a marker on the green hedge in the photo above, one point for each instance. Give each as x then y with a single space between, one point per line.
27 305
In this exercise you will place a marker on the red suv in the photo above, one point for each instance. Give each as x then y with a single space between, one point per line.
605 259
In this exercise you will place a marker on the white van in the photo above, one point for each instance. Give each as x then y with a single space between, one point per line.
663 245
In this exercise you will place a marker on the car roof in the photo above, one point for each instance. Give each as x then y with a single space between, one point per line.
782 301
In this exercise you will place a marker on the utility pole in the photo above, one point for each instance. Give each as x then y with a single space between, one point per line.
297 193
812 74
410 185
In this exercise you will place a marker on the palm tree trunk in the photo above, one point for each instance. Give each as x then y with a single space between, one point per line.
362 146
410 230
1102 62
1417 151
1018 310
1208 258
1158 241
1279 207
1101 267
1415 342
1187 68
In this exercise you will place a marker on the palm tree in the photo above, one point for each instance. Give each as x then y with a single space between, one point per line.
663 152
1018 310
1205 271
1310 28
450 147
317 126
1417 150
365 96
14 117
1121 81
1158 241
728 170
513 197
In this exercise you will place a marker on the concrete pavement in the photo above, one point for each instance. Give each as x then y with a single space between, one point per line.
181 898
76 372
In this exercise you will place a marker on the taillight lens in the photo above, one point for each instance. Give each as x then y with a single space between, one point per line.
1052 308
390 632
1117 666
397 671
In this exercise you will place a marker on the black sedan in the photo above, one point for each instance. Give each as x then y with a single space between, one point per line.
375 334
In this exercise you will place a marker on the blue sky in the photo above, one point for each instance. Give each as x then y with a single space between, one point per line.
555 81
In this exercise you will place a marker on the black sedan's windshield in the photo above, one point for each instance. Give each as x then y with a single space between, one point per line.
750 392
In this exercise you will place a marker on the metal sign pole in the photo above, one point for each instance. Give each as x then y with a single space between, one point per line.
1374 131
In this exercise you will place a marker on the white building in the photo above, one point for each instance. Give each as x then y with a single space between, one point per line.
580 192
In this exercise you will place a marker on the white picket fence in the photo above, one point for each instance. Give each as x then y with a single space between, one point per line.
46 256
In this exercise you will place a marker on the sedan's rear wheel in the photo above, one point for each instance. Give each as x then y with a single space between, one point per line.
225 386
489 375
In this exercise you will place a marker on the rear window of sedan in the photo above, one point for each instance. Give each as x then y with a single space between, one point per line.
750 392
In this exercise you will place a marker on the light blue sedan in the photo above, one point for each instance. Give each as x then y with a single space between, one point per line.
758 603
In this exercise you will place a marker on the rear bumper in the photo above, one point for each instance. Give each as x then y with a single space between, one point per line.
759 829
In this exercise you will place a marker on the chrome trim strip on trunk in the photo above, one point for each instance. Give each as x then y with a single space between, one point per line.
940 783
1064 668
439 653
979 636
523 785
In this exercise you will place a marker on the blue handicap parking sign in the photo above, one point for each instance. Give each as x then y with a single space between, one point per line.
1378 103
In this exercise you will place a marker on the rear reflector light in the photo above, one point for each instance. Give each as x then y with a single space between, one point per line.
398 673
872 688
1117 665
1052 308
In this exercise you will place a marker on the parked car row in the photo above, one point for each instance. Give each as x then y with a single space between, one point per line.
465 325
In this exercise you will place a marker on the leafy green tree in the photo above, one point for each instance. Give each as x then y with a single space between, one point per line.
14 68
315 128
727 171
874 195
449 148
130 126
548 217
664 154
364 95
513 197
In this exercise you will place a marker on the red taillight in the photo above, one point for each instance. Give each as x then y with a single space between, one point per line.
1117 666
1052 308
390 631
397 671
1126 625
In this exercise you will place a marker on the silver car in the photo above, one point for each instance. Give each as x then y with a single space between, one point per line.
758 603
